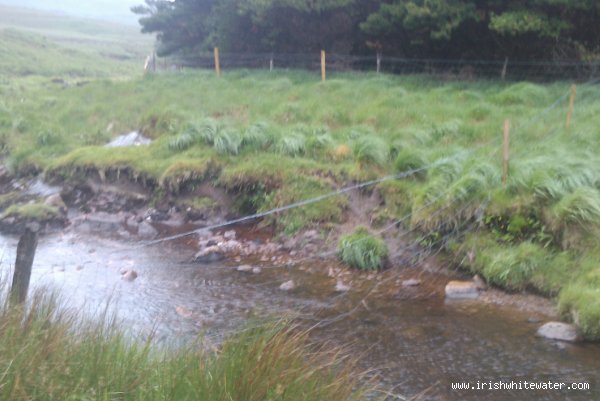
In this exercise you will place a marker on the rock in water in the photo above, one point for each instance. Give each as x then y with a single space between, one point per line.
244 268
341 287
130 275
183 312
287 286
145 230
461 290
209 255
559 331
413 282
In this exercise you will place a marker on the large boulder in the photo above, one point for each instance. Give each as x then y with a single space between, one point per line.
461 290
559 331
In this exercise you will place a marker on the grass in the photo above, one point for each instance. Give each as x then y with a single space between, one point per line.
47 353
362 250
32 211
271 139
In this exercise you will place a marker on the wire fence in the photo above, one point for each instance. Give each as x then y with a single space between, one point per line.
447 69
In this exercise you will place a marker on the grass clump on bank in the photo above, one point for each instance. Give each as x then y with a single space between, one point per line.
49 354
362 250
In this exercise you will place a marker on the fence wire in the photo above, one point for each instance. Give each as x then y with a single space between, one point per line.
447 69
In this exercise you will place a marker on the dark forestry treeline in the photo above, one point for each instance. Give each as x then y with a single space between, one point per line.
458 29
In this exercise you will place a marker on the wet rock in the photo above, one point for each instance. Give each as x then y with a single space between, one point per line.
479 283
287 286
244 268
228 235
145 230
559 331
183 312
209 255
413 282
130 275
230 246
341 287
256 270
461 290
132 139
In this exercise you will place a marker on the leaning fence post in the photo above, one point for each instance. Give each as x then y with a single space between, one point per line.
217 63
25 254
323 66
504 67
506 155
571 104
378 62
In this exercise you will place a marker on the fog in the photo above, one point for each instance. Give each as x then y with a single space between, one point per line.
112 10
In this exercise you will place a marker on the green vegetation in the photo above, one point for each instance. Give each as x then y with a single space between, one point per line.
271 139
49 354
414 28
32 211
362 250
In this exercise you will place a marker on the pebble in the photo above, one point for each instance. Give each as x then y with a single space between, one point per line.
341 287
413 282
287 286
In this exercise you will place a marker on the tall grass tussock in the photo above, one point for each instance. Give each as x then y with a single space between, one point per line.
47 353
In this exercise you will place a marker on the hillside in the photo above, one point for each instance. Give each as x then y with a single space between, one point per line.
46 44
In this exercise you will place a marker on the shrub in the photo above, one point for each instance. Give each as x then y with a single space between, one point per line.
292 145
362 250
258 136
181 142
371 150
227 141
408 160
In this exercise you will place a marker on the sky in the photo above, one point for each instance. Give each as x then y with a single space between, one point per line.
113 10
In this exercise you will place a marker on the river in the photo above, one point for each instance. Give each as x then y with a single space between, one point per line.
412 339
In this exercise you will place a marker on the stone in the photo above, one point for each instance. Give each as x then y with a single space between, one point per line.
341 287
209 255
461 290
130 275
287 286
559 331
479 282
231 234
413 282
56 201
256 270
183 312
145 230
131 139
244 268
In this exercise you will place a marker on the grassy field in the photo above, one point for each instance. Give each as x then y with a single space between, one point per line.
276 138
48 354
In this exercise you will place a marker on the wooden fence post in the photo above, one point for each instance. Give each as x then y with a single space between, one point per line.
571 104
504 67
378 62
271 64
217 62
506 155
25 254
323 66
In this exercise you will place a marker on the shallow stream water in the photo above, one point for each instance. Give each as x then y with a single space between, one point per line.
410 338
